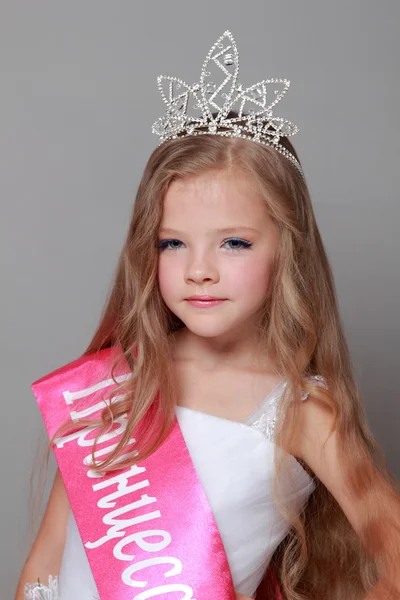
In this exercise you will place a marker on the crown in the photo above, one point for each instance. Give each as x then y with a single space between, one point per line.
218 105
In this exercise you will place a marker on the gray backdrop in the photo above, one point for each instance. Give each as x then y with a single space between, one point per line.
78 97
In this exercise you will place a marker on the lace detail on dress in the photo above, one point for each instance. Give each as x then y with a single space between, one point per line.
266 424
266 421
37 591
265 418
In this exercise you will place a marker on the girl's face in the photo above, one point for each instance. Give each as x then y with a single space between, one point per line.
216 239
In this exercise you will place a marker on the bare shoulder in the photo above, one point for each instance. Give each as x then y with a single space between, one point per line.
315 424
312 423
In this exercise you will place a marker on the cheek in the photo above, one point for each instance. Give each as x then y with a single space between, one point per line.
168 277
253 275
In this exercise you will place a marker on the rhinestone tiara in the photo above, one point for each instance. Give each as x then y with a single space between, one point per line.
218 105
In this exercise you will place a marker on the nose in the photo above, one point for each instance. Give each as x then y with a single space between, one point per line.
201 268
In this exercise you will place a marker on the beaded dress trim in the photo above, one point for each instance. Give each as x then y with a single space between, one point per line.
265 417
38 591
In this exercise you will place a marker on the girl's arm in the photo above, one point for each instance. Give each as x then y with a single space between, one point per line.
45 556
371 505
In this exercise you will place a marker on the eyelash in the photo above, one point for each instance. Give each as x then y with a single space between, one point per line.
244 245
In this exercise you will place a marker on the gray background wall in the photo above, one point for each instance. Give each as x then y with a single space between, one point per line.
78 97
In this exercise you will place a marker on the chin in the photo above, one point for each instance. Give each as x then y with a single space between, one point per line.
211 329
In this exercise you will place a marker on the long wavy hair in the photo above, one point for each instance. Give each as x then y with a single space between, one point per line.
321 557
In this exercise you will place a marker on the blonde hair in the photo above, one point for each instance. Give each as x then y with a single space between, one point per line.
321 557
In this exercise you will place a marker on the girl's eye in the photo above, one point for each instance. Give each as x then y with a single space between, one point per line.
166 244
238 244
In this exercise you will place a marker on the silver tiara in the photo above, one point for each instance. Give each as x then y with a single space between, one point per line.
204 107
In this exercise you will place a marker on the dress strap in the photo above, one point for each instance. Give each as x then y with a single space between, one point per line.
264 419
317 380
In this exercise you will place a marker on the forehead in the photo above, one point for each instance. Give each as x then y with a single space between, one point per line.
218 198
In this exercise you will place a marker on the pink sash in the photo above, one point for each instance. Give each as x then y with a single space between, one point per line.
148 530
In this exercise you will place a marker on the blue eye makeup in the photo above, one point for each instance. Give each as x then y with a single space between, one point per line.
165 244
173 244
242 243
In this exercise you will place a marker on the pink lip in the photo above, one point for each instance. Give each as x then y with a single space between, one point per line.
204 301
204 298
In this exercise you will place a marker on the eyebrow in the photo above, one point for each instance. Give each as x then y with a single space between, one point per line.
234 229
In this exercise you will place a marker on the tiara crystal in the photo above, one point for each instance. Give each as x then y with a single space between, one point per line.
206 107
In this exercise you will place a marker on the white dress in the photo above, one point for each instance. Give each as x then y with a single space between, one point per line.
234 462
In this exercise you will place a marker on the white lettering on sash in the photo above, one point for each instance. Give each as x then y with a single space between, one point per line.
107 501
120 479
115 530
70 397
118 527
76 415
139 538
81 434
176 569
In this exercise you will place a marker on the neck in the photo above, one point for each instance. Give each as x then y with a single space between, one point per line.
213 352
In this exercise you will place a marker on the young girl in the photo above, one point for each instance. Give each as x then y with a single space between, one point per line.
211 441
